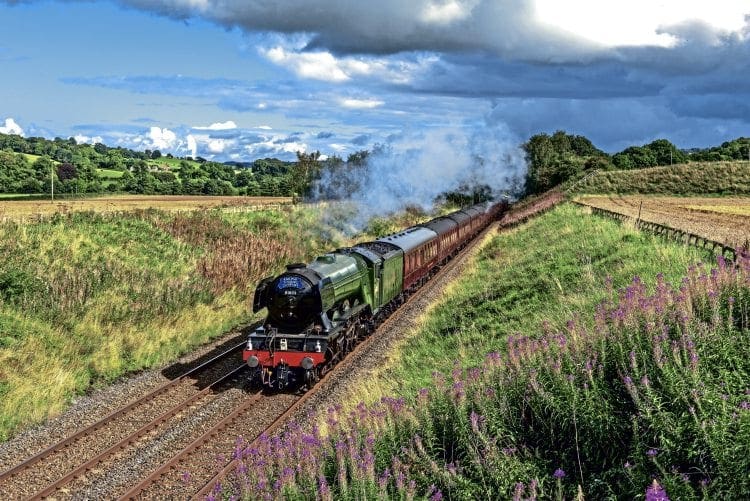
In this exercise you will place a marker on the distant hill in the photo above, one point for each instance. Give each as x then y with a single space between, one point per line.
30 165
704 178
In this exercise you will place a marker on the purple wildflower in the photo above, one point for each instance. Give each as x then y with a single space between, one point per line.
559 474
628 465
656 492
652 453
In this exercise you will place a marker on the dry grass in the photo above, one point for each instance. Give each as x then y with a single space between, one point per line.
15 209
698 178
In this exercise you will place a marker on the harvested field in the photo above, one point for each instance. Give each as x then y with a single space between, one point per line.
15 209
725 220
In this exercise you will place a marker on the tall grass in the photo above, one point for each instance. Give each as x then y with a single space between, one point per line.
644 395
719 178
87 297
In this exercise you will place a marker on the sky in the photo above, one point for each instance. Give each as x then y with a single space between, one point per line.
247 79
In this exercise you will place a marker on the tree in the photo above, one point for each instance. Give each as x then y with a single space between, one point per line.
66 171
304 171
358 158
555 159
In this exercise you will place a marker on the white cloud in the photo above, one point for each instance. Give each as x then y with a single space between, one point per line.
638 22
274 145
443 13
264 127
11 127
338 147
315 65
162 139
192 145
228 125
326 67
217 146
80 138
360 104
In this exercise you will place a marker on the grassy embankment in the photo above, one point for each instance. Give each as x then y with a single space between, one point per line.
87 297
700 178
596 381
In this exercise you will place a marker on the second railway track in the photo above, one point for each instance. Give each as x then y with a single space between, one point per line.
80 453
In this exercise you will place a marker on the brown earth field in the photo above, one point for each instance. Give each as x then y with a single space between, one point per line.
724 220
19 209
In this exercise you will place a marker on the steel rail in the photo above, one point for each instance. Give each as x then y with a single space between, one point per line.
190 448
125 442
36 458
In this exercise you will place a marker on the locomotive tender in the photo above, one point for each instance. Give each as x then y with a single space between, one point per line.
317 312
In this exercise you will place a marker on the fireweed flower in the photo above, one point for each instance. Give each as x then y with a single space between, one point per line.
656 492
559 474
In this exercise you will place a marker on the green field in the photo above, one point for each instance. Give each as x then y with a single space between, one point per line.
172 164
110 173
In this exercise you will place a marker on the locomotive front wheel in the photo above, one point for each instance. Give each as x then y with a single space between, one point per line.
312 377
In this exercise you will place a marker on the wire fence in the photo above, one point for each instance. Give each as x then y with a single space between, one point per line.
670 233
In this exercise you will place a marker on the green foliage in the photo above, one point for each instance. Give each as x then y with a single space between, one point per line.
557 158
659 152
83 168
737 149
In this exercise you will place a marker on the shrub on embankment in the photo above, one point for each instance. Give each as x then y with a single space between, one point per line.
700 178
87 297
650 385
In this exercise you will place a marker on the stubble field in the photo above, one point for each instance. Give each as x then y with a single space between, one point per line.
725 220
15 209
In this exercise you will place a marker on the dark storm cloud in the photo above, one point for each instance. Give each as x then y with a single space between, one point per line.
225 134
291 138
614 124
360 140
504 27
736 106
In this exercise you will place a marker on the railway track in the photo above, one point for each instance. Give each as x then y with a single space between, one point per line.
61 463
277 424
61 470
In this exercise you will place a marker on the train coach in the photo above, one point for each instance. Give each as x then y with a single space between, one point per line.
317 312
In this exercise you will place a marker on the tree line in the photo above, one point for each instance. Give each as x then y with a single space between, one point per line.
555 158
31 165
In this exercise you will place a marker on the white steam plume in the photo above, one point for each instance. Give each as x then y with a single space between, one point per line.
415 169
